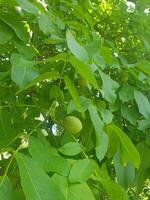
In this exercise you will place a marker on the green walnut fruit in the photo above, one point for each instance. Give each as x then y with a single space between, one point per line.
72 124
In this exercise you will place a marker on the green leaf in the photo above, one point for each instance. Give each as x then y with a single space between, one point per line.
7 131
13 20
80 191
46 76
125 174
101 137
107 116
81 170
113 143
73 91
109 87
84 104
63 183
26 50
130 152
5 33
144 67
99 60
144 124
6 190
23 71
114 191
129 113
143 104
36 184
47 157
93 48
78 51
107 55
28 6
70 149
144 151
46 24
73 191
84 71
126 93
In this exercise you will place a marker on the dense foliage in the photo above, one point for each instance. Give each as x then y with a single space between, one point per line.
89 60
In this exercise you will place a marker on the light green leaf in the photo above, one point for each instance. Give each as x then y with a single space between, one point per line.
54 40
107 116
63 183
84 71
80 191
6 190
36 184
114 191
5 33
107 55
144 67
99 60
78 51
73 191
101 137
81 170
143 103
28 6
109 87
70 149
73 91
126 93
46 76
129 151
47 157
23 71
58 57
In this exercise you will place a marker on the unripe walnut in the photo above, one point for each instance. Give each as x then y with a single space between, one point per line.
72 124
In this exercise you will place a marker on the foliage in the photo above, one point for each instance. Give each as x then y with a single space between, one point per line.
88 59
